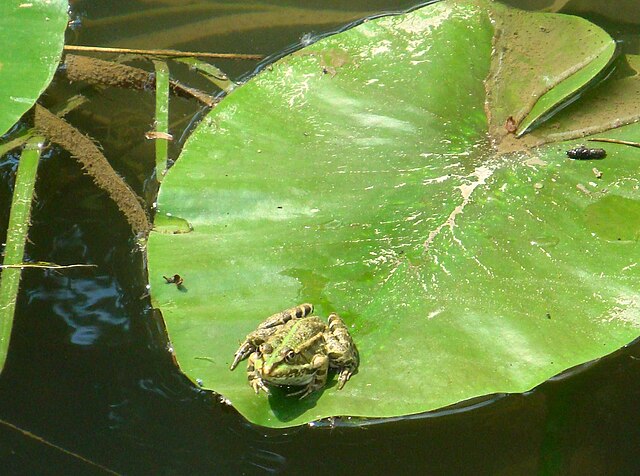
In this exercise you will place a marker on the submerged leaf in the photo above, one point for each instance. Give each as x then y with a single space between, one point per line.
359 174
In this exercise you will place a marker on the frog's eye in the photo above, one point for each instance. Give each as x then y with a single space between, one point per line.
289 356
266 348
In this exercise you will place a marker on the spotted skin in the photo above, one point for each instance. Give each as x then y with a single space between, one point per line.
293 348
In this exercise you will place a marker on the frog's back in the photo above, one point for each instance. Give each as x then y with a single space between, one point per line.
300 330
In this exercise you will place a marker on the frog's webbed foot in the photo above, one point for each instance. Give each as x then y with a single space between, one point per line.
341 349
257 384
255 380
345 375
309 389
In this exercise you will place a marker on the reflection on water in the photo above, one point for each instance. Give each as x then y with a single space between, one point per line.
91 307
89 369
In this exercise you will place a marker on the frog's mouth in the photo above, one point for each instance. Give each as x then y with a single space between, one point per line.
294 375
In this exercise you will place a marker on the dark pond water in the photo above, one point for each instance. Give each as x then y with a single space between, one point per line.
88 368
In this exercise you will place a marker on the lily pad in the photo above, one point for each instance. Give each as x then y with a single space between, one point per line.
32 39
363 174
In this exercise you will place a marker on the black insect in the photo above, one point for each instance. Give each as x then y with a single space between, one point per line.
584 153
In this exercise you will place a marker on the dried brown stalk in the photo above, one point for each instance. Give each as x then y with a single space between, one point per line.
107 73
165 53
95 164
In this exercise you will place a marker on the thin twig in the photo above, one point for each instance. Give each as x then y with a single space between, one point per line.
167 53
39 439
44 264
615 141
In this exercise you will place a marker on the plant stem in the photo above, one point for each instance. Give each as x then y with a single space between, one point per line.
17 231
162 118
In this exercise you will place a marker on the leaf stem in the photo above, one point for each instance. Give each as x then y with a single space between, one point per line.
17 231
162 118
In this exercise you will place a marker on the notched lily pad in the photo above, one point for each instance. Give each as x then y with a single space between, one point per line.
526 44
377 192
607 106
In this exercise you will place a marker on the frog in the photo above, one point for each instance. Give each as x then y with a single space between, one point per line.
294 348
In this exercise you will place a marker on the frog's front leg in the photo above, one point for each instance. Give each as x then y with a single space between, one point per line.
254 376
251 344
267 328
342 352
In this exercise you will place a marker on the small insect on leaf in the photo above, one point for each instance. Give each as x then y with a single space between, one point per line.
175 279
584 153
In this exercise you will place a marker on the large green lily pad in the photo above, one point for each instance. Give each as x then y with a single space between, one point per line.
370 175
32 36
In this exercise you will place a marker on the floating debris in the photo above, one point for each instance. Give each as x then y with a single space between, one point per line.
583 189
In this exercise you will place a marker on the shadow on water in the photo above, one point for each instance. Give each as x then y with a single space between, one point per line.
89 368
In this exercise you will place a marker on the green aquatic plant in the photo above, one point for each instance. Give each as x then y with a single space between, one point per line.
32 36
377 174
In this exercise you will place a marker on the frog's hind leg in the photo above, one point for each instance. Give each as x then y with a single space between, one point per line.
282 317
342 352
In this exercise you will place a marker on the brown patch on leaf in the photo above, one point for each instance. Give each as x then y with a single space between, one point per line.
331 60
532 53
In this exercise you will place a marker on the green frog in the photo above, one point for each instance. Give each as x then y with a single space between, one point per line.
294 348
